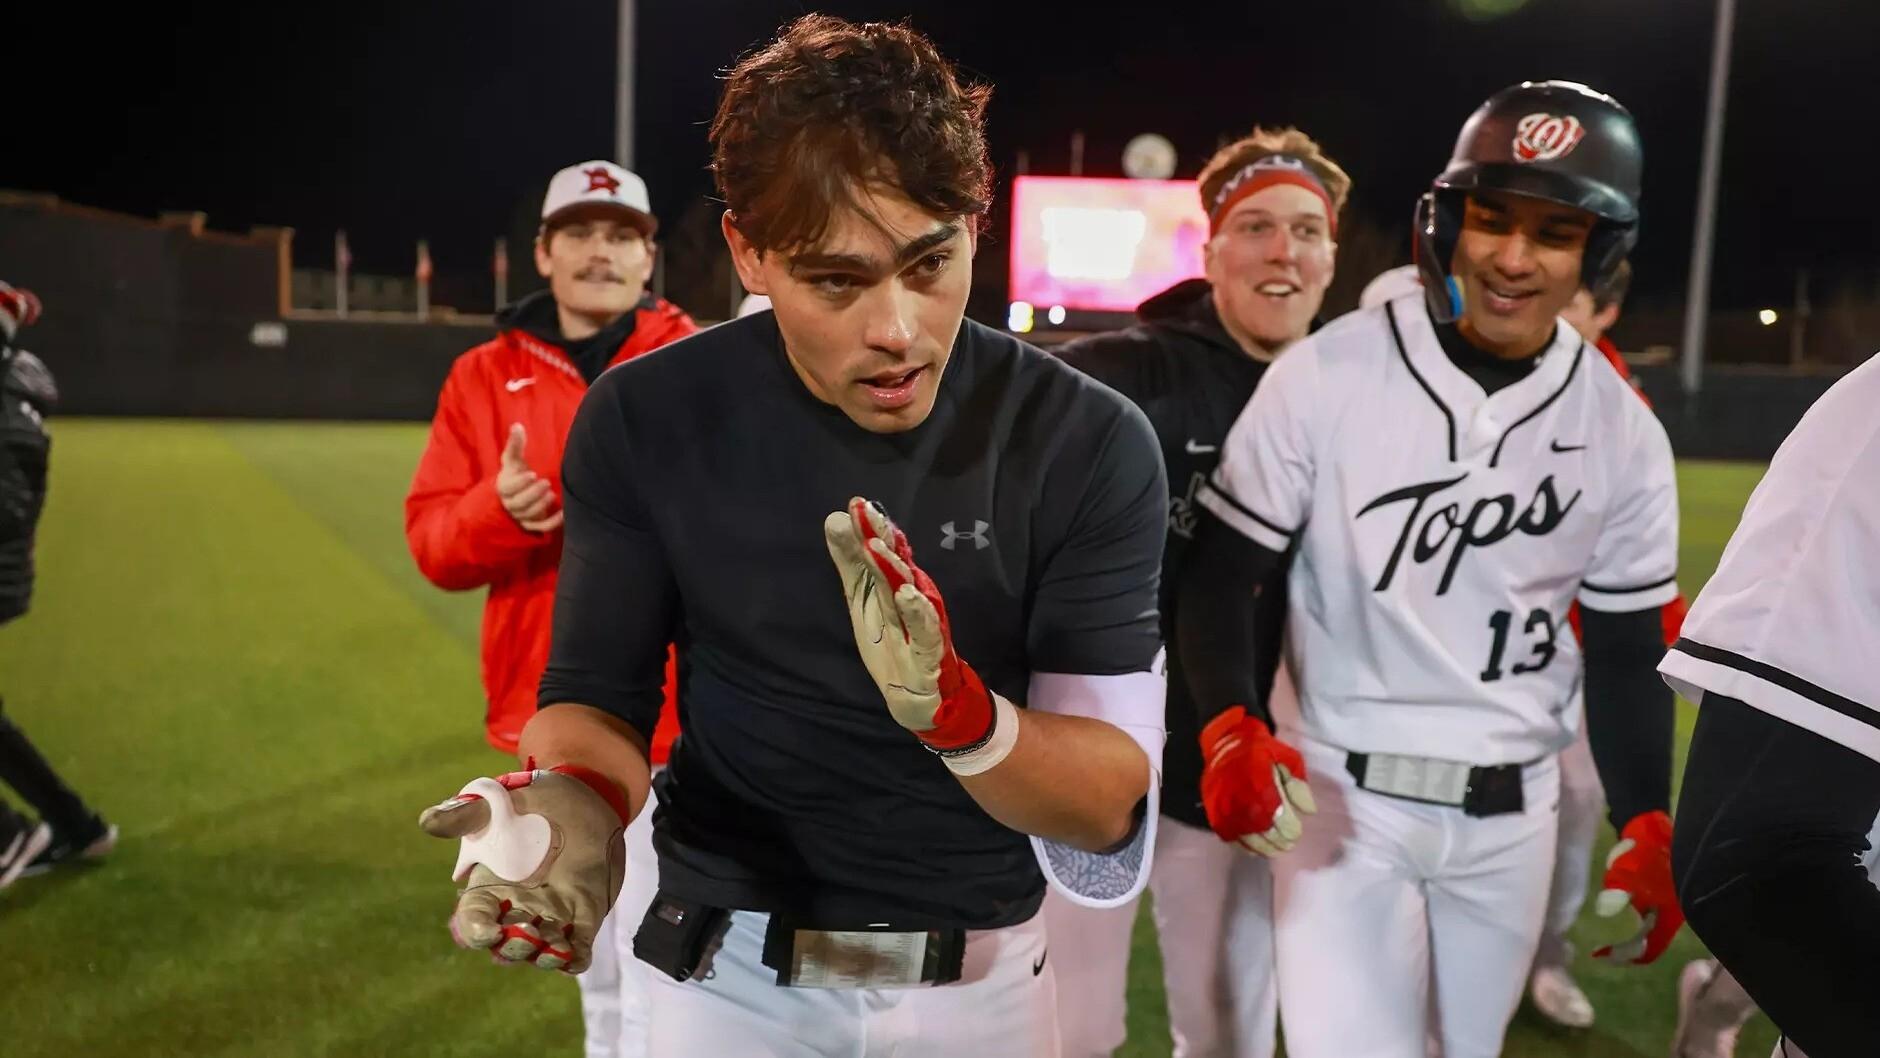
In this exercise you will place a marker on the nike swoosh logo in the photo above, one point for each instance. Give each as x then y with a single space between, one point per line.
515 385
1038 967
1197 449
1558 447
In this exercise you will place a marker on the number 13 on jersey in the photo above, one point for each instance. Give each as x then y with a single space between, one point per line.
1540 632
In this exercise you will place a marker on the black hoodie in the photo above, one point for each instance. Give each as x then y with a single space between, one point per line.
1191 379
27 396
537 316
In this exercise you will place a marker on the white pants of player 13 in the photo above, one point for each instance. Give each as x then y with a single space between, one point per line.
1003 1005
613 990
1390 912
1213 918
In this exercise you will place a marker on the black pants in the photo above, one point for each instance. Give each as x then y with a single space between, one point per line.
1771 825
26 771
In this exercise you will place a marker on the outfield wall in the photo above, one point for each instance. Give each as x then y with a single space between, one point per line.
332 369
1740 413
167 317
322 369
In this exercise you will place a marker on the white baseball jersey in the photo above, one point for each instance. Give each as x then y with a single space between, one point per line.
1443 533
1789 621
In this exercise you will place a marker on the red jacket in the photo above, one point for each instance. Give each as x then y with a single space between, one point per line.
456 525
1613 357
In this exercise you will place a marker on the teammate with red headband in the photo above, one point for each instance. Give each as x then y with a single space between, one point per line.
1191 364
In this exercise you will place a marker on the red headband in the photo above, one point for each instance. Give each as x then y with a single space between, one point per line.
1263 173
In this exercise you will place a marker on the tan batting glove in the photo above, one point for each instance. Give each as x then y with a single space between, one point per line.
904 635
541 862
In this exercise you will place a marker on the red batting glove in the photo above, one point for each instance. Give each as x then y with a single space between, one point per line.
1671 619
1638 875
23 305
1252 784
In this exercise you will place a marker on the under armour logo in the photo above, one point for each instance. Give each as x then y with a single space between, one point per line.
599 179
977 536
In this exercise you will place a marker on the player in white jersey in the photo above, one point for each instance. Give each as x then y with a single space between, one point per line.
1783 780
1551 987
1437 480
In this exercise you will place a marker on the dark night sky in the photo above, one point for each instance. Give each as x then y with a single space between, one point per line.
398 119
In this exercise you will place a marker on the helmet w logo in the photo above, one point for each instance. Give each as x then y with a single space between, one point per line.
977 536
1544 137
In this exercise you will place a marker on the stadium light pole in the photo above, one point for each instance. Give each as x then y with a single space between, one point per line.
623 89
1697 299
623 119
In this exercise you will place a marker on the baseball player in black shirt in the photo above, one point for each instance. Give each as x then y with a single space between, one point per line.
910 565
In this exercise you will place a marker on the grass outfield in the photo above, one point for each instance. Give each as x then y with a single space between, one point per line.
233 657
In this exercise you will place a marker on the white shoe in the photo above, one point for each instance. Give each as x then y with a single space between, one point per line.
20 850
1696 1038
1555 994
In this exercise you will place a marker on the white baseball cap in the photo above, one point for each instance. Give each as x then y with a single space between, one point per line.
599 183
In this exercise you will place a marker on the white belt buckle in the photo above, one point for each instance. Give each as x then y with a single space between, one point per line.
1444 782
857 959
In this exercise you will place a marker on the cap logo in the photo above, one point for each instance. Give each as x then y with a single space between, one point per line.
599 179
1545 137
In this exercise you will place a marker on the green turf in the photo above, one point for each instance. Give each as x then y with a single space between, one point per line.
233 656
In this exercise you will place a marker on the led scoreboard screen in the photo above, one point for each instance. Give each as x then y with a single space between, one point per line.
1105 245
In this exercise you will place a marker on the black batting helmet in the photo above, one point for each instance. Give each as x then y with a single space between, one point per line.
1555 140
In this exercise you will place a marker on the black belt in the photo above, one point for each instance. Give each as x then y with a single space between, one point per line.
1477 791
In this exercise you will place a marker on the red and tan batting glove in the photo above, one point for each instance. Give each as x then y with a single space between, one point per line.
902 632
1638 875
18 308
1252 784
541 862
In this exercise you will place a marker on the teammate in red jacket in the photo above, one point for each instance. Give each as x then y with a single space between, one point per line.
485 506
1551 987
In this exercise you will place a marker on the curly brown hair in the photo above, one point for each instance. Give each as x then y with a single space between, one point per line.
829 108
1262 142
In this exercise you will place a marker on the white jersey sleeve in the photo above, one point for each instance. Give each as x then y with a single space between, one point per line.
1263 484
1635 559
1788 622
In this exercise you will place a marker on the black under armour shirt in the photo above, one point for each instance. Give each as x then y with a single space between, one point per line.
696 480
